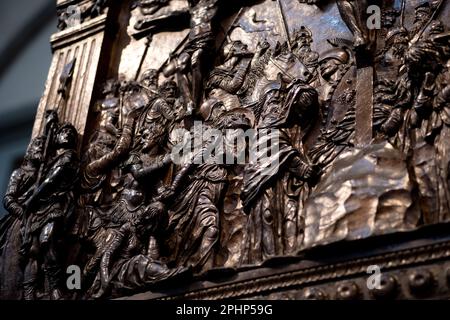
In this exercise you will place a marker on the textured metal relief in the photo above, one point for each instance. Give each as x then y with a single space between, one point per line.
184 139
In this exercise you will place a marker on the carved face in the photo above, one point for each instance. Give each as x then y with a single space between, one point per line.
239 48
150 78
151 136
146 139
422 15
35 150
304 40
66 137
234 49
170 93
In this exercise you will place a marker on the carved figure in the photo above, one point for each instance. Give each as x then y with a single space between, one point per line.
46 208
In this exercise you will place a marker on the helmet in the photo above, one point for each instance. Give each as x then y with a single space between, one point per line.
395 33
207 107
150 75
336 53
73 134
424 6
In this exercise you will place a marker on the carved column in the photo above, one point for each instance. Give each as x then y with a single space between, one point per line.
86 44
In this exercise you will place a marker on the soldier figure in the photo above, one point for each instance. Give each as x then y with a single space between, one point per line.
198 48
47 208
226 80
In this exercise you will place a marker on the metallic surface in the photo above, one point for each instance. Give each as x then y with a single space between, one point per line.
362 122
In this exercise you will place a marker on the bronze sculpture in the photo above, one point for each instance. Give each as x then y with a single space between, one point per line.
219 147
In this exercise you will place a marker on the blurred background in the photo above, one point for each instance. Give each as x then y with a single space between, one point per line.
25 56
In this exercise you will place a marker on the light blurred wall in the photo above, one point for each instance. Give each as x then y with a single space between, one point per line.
25 56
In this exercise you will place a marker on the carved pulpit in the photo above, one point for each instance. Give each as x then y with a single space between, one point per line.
257 149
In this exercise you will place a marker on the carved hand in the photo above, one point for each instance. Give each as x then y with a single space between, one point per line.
51 118
312 173
17 210
166 194
262 46
134 113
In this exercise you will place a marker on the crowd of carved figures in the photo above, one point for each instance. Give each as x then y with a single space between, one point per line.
133 218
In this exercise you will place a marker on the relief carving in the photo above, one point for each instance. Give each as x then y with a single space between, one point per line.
243 146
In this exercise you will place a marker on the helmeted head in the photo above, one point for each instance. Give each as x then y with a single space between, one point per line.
422 12
331 60
395 35
238 118
149 78
389 17
211 109
397 41
67 136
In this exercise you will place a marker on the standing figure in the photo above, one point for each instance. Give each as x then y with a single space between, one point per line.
20 185
353 13
101 142
157 115
194 219
337 96
98 177
199 47
23 179
302 48
137 155
47 207
273 182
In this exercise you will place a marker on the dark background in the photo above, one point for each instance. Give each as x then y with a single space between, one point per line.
25 57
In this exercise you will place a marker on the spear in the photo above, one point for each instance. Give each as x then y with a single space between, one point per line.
434 15
284 24
402 17
64 83
230 29
174 52
144 55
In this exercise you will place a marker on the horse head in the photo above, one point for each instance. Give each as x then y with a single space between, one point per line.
289 66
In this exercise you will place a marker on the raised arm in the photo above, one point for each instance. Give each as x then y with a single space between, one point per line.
140 172
113 158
